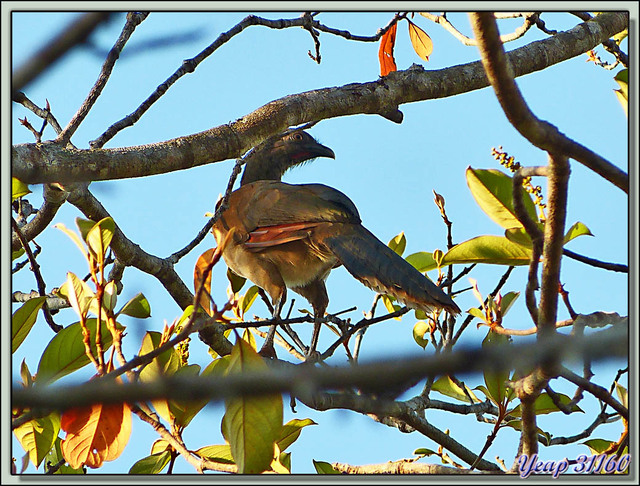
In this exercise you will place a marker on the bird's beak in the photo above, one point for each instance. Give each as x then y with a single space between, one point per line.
319 150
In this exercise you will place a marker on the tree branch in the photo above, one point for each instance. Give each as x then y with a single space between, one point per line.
47 162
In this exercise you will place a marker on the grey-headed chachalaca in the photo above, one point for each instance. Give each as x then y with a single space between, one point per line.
293 235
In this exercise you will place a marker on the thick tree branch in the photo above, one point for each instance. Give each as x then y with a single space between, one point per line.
50 162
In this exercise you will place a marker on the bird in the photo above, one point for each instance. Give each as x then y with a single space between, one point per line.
290 236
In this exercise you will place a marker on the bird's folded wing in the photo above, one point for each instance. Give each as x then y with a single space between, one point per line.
272 203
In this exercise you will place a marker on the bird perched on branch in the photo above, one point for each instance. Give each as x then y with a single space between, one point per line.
293 235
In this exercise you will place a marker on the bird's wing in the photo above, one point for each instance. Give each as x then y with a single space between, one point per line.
273 212
271 203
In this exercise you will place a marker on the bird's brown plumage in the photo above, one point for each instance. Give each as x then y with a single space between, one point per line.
293 235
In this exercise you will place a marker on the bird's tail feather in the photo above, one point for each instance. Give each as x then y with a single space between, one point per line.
380 268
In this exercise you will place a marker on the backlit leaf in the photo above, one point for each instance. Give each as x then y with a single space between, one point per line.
250 424
153 464
198 273
450 388
385 52
493 191
423 261
137 307
324 467
18 189
65 353
398 243
291 431
95 434
23 320
496 250
38 435
420 41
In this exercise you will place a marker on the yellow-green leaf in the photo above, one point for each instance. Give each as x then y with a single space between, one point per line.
420 41
23 320
65 353
493 192
99 237
324 467
496 250
251 425
577 229
423 261
153 464
74 237
291 431
236 281
18 189
138 307
450 388
38 435
217 453
398 243
420 329
544 404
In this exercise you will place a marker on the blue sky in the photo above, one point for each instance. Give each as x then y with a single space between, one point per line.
388 170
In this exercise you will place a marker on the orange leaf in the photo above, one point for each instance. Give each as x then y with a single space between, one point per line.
420 41
95 434
203 261
385 53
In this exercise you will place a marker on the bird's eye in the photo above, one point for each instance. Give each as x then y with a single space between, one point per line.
297 136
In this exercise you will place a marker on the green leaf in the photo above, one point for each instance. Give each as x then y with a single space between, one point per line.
495 250
423 261
544 405
623 395
65 353
449 388
291 431
507 301
137 307
578 229
236 281
475 312
493 191
38 435
55 456
597 446
285 460
324 467
249 298
398 243
153 464
18 189
166 363
84 226
183 411
25 374
251 424
217 453
23 320
423 451
520 236
17 254
495 381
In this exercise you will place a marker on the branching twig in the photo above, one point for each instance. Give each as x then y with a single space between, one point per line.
133 20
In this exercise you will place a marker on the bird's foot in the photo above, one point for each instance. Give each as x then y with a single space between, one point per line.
312 356
268 351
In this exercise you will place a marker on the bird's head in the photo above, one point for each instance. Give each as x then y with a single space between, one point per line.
273 158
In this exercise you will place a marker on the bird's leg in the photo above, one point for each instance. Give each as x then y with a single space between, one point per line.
316 293
268 350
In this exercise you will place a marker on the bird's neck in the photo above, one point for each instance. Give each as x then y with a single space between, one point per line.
270 168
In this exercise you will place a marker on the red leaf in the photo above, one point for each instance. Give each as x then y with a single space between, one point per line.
385 53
